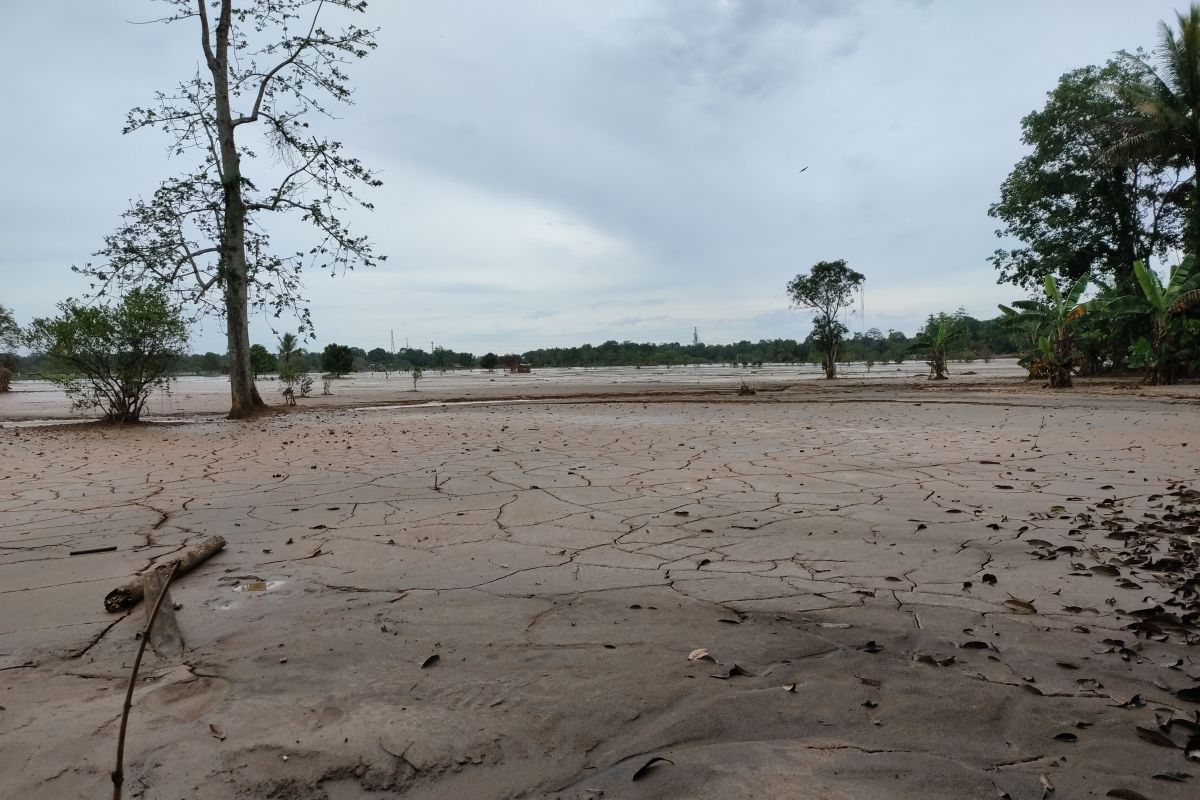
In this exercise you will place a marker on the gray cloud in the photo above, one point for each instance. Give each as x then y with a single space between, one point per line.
557 173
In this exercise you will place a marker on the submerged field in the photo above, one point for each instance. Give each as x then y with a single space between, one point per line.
902 592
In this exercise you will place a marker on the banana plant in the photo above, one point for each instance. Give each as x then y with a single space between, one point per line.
939 332
1164 305
1048 325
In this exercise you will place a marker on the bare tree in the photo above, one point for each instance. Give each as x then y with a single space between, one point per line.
202 235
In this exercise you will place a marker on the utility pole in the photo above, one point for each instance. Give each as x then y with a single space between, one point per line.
695 335
393 341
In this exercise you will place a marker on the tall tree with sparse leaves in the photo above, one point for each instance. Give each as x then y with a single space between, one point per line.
826 289
270 70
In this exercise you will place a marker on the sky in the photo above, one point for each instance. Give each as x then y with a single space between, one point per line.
561 172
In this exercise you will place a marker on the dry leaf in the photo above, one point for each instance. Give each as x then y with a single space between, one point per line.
644 769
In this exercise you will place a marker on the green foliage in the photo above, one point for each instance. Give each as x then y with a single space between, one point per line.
111 357
417 372
1047 326
1075 208
940 331
489 361
10 334
293 368
337 359
1164 106
10 331
262 360
826 289
1163 306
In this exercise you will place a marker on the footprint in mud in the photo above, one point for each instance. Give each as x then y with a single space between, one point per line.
188 700
328 716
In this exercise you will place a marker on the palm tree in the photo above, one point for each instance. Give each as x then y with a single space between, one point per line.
289 347
1164 304
1167 108
1048 323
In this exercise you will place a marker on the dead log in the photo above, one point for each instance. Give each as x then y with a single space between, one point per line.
130 594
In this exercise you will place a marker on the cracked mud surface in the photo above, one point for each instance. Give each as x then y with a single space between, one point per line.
562 560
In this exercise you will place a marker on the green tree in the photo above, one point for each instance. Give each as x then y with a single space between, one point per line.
267 66
293 368
337 359
212 363
1048 324
489 361
262 360
1165 305
10 335
378 358
111 357
1164 121
935 339
1070 204
826 289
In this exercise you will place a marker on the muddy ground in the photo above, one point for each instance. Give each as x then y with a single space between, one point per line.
902 593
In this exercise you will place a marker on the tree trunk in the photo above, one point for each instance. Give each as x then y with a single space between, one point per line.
233 268
831 360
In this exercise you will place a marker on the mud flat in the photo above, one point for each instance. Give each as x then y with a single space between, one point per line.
902 592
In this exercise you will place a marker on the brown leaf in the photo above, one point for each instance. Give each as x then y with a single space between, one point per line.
429 662
871 647
941 661
1126 794
216 732
1155 737
1020 606
701 654
644 769
732 672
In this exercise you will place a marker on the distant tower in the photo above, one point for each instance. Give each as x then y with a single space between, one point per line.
695 336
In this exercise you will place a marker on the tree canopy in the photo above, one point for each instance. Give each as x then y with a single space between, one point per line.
1074 205
826 289
111 357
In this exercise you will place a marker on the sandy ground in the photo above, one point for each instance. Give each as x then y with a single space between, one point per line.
915 585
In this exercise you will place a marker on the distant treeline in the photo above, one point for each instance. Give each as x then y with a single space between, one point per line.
978 339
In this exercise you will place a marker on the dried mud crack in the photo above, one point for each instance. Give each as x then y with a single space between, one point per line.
921 599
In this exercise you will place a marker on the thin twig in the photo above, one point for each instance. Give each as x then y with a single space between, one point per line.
118 774
1037 435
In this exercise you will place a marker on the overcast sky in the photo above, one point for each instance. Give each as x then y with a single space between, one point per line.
559 172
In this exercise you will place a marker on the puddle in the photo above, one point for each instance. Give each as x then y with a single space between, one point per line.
258 586
243 586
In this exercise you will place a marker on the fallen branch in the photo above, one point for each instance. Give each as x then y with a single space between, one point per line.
131 593
118 774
